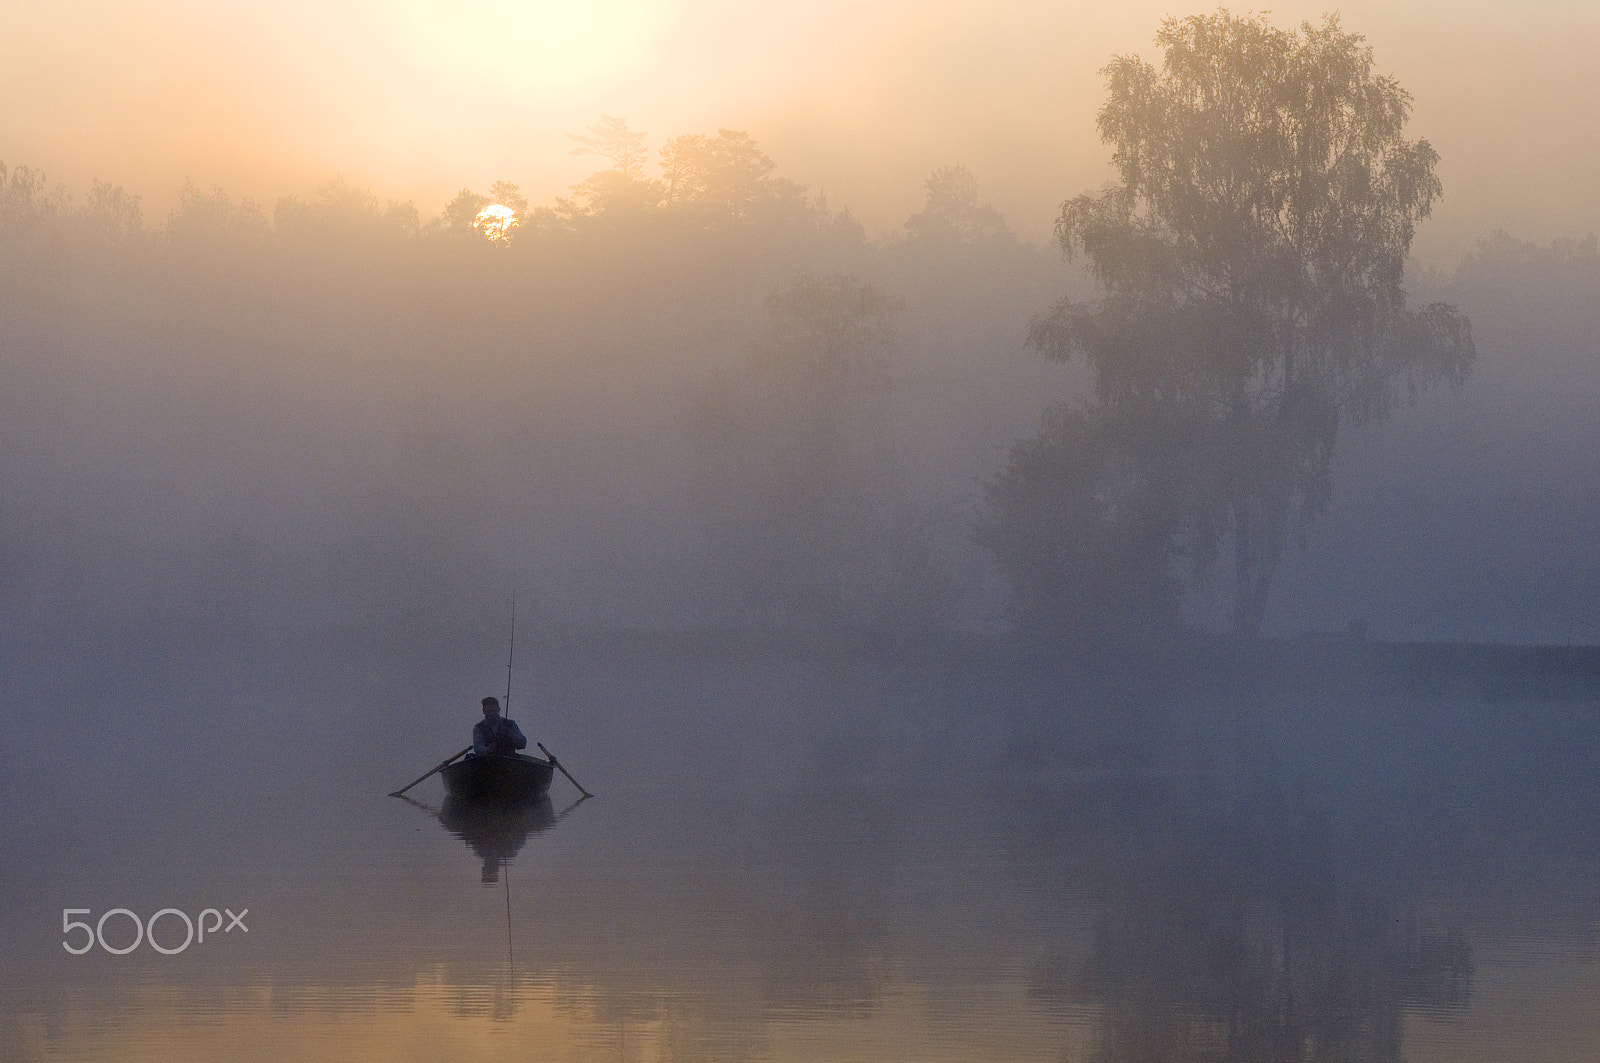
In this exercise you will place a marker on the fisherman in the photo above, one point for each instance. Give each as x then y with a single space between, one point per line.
495 735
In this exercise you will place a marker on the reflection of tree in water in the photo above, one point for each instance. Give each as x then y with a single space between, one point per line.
1243 955
1224 934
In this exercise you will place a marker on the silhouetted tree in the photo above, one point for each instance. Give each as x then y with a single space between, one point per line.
343 215
802 487
610 138
461 213
623 188
23 200
508 194
112 216
952 214
1250 258
31 252
728 176
1539 288
212 221
1093 523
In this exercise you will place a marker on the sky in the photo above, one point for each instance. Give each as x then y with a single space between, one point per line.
416 99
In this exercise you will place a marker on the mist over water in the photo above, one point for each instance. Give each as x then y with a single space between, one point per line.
1369 850
978 652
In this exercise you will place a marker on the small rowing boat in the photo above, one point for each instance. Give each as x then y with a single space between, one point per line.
498 777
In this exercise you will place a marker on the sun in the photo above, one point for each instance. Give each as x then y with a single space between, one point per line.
495 222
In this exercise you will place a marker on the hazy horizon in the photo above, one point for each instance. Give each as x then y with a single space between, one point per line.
417 101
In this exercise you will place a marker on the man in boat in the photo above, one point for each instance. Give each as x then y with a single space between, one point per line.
492 734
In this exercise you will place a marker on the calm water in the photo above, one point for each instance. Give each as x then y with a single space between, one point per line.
1314 875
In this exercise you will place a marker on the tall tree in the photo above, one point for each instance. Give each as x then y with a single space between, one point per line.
1091 522
624 187
461 213
952 214
342 215
111 215
611 138
1250 260
212 220
800 485
23 199
727 176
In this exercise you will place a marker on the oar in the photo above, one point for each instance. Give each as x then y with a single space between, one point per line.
551 757
442 765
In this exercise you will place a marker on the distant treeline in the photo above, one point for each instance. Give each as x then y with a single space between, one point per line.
696 399
691 395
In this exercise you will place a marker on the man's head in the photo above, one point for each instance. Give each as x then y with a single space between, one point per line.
491 707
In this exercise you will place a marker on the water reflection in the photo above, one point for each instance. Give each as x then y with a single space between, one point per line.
1239 948
1122 902
1220 929
496 830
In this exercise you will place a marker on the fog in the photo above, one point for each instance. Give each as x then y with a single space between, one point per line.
1483 494
317 440
1027 557
246 395
858 102
342 411
336 417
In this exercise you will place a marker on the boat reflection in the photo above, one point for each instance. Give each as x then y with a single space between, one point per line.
496 830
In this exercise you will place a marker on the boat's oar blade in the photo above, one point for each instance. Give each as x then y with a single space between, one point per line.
439 767
551 757
563 813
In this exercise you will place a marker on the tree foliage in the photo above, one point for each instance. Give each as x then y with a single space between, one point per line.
211 220
1250 260
800 471
23 200
728 177
342 213
612 138
953 216
1085 521
623 188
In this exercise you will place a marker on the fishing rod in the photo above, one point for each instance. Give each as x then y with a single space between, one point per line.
551 757
512 653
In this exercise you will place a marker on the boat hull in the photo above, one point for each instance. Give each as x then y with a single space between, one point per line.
499 778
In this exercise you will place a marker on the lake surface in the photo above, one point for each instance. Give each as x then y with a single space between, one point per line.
1311 872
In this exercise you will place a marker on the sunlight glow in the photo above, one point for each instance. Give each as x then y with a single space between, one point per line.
496 221
523 46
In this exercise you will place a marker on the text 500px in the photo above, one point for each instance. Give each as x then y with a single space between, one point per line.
125 923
